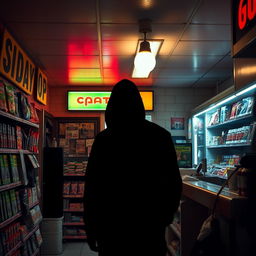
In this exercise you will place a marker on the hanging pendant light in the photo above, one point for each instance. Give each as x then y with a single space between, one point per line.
144 59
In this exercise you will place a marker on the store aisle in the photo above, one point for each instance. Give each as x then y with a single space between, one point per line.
76 249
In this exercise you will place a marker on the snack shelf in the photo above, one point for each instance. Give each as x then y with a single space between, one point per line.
15 151
18 119
73 210
229 145
30 233
10 186
33 204
74 175
236 120
36 252
74 237
10 220
14 249
72 196
73 224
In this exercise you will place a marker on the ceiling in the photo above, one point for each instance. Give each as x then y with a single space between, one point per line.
93 42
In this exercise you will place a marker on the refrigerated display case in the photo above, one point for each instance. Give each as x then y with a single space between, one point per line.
224 131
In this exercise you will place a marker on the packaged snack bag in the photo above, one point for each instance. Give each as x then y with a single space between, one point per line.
34 117
74 188
25 107
10 98
16 101
3 105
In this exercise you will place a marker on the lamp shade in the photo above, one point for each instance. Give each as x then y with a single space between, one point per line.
144 59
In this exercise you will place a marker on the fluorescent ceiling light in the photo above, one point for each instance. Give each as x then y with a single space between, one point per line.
246 90
250 88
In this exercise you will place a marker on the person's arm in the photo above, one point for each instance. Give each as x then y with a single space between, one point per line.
173 182
90 199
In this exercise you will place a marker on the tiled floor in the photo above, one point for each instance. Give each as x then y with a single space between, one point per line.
76 249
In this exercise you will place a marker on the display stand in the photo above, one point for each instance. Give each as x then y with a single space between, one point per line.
75 136
19 186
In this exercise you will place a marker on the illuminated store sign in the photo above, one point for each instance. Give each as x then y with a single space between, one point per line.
99 100
246 12
15 65
41 90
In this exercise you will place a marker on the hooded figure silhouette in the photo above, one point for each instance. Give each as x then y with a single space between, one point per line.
133 184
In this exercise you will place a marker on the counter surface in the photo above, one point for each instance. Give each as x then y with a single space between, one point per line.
229 204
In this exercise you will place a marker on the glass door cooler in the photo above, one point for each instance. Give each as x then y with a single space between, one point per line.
224 131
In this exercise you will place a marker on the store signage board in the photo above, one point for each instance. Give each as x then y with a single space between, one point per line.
15 64
81 101
41 90
244 27
244 17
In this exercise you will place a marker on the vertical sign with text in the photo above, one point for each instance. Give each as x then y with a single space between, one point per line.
41 87
15 64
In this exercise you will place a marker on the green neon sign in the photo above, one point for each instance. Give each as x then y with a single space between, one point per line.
98 100
88 100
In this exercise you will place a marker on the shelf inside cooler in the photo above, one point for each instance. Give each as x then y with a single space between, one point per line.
230 145
236 121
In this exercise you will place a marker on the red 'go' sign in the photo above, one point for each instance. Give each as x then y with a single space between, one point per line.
246 12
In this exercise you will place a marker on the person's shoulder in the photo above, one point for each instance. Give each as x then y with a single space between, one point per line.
103 134
157 129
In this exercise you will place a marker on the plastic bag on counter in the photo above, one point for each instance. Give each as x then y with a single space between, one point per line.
208 242
34 117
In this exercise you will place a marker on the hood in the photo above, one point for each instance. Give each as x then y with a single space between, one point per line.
125 107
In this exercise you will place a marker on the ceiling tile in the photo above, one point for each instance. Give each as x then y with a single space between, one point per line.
116 11
202 48
46 31
119 47
127 32
219 73
213 12
48 11
61 35
188 61
53 62
180 73
226 62
207 32
206 82
57 47
173 82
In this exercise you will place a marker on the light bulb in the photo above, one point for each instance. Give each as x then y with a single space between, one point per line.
145 60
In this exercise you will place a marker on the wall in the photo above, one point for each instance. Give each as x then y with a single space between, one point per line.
58 104
177 102
171 102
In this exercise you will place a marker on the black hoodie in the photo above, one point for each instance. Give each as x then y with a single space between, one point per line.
133 185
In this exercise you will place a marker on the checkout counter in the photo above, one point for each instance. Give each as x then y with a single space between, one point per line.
198 198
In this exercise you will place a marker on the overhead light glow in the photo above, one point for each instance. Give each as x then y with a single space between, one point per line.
145 61
142 68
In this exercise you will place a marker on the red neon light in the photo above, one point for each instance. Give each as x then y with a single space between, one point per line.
246 11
